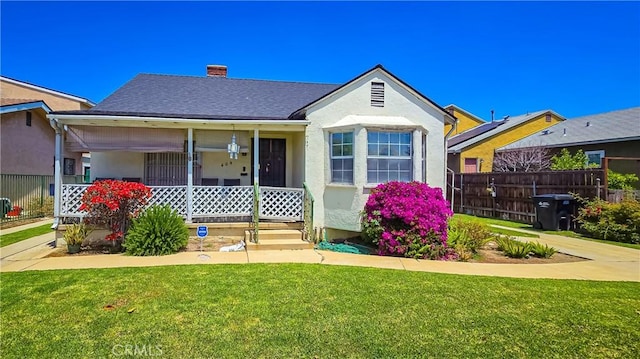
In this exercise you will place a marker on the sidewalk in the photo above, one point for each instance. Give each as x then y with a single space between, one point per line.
26 226
608 262
27 245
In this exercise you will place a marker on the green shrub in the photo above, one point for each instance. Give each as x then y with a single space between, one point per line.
564 161
619 222
468 235
516 249
40 206
513 248
158 231
542 250
502 241
75 233
617 180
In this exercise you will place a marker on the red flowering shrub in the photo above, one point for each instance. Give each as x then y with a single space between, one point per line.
114 203
618 222
407 219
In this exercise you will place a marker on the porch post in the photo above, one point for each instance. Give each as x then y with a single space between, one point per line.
57 174
256 156
189 175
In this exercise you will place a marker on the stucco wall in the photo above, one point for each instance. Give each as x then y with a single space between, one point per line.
56 103
298 141
219 165
338 205
465 122
117 164
485 149
29 150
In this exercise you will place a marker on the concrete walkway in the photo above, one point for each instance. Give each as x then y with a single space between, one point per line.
28 247
607 262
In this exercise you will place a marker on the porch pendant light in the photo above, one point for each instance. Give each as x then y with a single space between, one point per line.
233 148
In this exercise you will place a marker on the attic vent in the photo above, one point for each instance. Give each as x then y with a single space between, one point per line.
545 132
377 94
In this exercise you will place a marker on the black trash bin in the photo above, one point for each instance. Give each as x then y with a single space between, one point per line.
5 206
553 211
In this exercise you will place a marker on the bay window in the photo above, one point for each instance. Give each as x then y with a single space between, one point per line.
389 156
342 157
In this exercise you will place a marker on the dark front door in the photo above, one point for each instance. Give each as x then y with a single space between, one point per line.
272 162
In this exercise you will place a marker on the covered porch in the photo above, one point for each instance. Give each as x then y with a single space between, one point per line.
208 171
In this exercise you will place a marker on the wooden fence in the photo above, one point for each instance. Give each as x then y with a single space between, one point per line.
508 195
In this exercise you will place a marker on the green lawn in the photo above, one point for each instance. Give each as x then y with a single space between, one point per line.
15 237
312 311
490 221
528 227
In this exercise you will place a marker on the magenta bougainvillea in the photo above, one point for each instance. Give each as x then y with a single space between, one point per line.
407 219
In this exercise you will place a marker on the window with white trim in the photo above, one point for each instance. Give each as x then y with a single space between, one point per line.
594 157
389 157
342 157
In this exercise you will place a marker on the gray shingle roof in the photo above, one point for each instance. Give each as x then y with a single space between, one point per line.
604 127
209 97
508 123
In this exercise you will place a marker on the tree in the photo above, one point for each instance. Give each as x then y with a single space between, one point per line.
530 159
566 161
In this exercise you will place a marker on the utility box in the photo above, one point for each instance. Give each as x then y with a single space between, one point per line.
553 211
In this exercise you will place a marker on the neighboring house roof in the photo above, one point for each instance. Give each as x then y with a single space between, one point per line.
47 90
207 98
15 105
301 112
469 114
474 131
615 126
482 132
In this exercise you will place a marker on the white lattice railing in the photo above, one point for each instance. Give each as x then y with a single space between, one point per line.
208 201
281 203
174 196
212 201
72 199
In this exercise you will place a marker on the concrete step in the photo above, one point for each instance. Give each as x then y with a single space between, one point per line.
279 234
279 244
281 225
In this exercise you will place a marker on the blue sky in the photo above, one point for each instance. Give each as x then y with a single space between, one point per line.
577 58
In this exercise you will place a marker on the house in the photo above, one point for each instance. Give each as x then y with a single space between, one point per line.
209 145
26 137
466 120
613 134
472 150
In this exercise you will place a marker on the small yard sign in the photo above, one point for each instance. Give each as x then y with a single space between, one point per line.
203 231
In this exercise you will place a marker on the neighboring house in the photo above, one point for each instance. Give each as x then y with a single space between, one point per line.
610 134
472 150
204 141
26 136
465 120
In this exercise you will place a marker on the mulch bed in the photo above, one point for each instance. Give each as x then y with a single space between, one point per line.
490 254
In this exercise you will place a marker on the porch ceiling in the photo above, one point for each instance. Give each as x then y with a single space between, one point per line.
184 123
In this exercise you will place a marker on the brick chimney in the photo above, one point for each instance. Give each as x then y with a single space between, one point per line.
216 71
